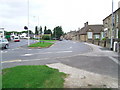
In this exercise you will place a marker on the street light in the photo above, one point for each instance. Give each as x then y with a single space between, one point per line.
112 27
28 25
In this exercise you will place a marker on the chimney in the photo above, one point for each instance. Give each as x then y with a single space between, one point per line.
86 24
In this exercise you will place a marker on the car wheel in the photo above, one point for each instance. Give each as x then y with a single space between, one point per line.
6 46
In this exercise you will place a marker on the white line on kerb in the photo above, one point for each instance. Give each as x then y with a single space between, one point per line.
115 60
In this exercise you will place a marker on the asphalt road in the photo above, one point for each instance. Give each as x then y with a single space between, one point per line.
66 52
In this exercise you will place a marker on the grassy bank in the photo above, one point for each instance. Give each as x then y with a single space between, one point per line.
41 44
32 77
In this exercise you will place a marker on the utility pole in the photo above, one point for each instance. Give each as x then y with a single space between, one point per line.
28 25
112 27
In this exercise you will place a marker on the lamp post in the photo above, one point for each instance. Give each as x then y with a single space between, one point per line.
112 27
28 25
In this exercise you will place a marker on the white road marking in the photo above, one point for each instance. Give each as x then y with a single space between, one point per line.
47 53
115 60
27 55
29 49
4 51
36 59
64 52
11 61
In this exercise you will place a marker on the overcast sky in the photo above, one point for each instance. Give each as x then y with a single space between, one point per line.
70 14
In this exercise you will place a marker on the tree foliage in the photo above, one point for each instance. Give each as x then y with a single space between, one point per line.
36 30
41 30
58 32
45 30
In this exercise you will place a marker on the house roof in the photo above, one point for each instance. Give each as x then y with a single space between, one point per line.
95 29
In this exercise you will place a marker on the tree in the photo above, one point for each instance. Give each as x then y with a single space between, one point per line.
45 29
58 32
30 32
48 31
36 30
40 30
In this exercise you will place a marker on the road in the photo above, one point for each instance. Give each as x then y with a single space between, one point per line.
75 54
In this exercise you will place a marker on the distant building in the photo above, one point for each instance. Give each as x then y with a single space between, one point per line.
71 35
2 35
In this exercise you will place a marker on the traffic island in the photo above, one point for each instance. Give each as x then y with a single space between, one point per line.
40 45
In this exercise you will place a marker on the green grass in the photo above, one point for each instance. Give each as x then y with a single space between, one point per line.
0 81
48 40
41 44
39 76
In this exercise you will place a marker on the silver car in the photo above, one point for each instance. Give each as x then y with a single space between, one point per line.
4 43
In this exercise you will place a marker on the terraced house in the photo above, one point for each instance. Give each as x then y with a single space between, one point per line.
107 22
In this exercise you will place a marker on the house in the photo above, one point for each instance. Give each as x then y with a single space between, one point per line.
90 32
71 35
112 30
2 34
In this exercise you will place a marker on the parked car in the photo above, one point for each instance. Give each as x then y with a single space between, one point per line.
4 43
16 39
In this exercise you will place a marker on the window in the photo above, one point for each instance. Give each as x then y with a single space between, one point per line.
117 33
96 36
89 35
117 18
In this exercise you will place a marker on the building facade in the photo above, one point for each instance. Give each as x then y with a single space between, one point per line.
112 27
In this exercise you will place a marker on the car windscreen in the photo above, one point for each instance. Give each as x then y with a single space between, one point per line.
16 38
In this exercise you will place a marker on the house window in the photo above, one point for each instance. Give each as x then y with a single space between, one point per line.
117 33
117 18
96 36
89 35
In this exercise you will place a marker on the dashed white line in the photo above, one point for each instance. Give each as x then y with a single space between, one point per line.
27 55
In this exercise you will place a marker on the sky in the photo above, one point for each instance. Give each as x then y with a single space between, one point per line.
70 14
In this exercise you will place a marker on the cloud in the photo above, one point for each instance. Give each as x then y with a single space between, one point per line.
70 14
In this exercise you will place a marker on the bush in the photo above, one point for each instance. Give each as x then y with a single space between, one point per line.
46 37
103 38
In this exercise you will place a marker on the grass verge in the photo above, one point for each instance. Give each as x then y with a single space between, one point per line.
48 40
39 76
41 44
0 81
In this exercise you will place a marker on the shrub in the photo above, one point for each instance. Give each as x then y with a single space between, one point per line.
46 37
103 38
